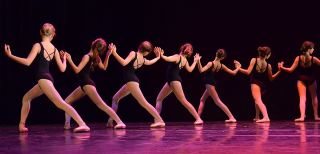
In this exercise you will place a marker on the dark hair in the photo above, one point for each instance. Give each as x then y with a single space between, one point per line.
100 45
221 53
47 29
184 47
306 46
264 51
145 46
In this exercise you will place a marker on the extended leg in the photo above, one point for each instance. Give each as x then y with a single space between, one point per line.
74 96
202 102
165 91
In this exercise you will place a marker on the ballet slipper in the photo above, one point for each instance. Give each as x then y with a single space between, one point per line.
317 119
231 121
67 126
263 120
158 124
110 124
22 127
120 126
299 120
81 129
198 122
256 119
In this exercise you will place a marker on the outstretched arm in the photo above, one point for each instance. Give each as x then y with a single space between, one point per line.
106 60
157 51
61 64
202 69
174 58
272 77
24 61
122 61
316 61
232 72
248 71
293 67
190 68
83 63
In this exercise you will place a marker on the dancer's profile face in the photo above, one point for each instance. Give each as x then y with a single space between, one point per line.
310 50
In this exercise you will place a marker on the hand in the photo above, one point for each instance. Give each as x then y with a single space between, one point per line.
196 57
236 64
68 56
157 51
7 50
162 52
110 47
62 54
280 65
114 49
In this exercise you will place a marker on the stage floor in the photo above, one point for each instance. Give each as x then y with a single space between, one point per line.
176 137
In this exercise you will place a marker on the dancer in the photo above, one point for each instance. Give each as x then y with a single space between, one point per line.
258 77
210 70
306 78
45 53
134 61
174 81
87 86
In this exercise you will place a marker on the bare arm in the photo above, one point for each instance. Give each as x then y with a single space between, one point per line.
157 51
202 69
83 63
122 61
272 77
232 72
174 58
191 68
293 67
248 71
62 65
106 60
316 61
24 61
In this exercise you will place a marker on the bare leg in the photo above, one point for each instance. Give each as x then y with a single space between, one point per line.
177 90
26 100
74 96
123 92
49 90
137 94
313 92
95 97
302 93
257 113
255 89
202 102
213 93
165 91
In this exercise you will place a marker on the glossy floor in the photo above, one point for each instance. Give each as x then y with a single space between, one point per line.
178 137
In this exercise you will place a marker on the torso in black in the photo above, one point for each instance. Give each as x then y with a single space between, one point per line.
129 71
260 77
209 75
43 64
84 75
306 75
173 72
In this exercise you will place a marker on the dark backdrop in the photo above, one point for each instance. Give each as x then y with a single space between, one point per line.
240 27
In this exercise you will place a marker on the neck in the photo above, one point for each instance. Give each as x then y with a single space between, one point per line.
46 39
217 59
307 54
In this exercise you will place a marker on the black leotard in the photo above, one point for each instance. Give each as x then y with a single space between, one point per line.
173 72
129 71
259 78
84 75
43 64
209 75
306 75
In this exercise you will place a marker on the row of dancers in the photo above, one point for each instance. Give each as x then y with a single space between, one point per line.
44 52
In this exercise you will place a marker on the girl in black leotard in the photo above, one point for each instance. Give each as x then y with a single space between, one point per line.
177 62
134 61
306 78
209 72
86 85
261 69
45 53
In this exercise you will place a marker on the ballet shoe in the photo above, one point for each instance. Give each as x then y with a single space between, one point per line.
158 124
67 126
198 122
317 119
120 126
22 127
256 119
299 120
263 120
81 129
230 121
109 124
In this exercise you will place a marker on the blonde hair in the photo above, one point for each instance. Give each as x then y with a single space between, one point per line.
47 30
